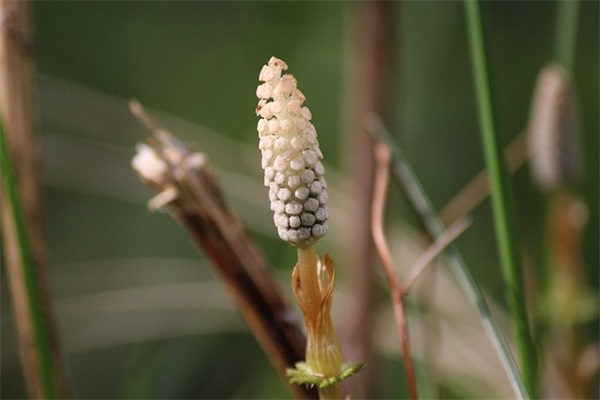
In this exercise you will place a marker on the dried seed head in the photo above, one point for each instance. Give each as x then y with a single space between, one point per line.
291 158
553 130
148 164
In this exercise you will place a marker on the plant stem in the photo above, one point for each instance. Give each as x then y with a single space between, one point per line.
22 220
566 33
382 157
478 188
23 283
432 252
372 29
217 229
502 204
423 206
313 286
331 393
307 261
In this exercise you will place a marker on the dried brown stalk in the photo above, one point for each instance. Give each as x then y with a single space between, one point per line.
382 158
189 190
400 290
18 114
433 251
478 189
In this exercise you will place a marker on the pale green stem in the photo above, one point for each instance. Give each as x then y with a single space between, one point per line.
331 393
566 33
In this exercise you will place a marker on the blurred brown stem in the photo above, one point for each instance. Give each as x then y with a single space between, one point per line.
368 82
44 373
565 299
192 195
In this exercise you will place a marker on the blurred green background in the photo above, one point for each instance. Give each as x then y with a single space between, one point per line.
141 314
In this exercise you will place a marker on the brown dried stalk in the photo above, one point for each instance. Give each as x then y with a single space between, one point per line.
433 251
478 189
399 290
40 352
382 158
189 190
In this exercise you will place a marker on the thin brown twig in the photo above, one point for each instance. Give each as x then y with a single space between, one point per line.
382 162
433 251
194 198
421 203
478 188
400 291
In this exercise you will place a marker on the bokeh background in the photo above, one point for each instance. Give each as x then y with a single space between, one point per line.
141 314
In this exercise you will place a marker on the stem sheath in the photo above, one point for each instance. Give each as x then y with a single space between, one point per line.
313 286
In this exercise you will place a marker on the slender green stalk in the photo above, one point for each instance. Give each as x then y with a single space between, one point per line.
566 33
27 269
502 203
406 177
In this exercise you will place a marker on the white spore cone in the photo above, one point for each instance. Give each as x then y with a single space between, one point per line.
291 158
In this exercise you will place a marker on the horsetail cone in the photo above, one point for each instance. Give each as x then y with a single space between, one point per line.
291 158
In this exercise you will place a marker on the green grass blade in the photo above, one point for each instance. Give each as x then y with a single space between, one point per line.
502 203
406 177
566 33
27 269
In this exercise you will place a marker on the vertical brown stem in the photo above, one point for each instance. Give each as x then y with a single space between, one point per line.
371 22
398 292
565 347
17 109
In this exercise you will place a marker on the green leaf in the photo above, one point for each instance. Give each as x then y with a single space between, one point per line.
303 375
